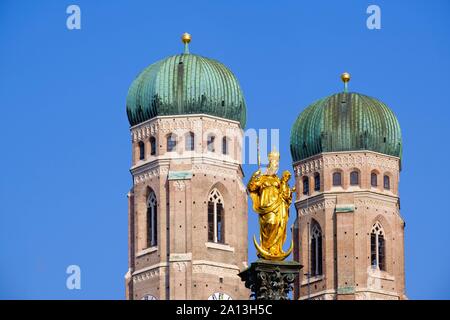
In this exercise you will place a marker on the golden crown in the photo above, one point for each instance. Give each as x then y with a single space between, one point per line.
274 155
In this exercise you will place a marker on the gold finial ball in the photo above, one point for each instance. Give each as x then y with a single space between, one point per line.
186 37
345 77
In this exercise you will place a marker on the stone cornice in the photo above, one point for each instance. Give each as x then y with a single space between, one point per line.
362 198
351 159
180 265
195 122
186 116
203 164
360 293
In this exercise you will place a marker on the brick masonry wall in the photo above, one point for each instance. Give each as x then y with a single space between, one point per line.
346 215
184 265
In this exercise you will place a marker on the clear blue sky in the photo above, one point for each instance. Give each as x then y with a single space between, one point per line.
65 144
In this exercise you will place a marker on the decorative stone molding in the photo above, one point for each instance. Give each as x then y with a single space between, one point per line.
383 162
178 262
150 268
179 185
145 131
152 173
221 125
308 167
186 123
147 275
346 160
180 266
306 208
374 203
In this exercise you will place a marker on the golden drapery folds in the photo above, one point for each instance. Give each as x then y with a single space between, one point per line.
271 198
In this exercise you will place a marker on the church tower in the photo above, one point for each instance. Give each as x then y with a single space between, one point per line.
349 234
188 205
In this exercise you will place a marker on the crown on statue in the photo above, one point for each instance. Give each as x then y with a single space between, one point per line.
274 155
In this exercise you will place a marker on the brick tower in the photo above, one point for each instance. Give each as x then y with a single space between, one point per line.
188 205
349 234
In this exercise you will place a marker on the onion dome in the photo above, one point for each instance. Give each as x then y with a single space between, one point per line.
345 121
185 84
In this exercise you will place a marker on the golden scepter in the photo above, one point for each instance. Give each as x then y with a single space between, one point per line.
257 150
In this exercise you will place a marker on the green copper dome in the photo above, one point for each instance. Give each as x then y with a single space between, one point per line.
345 122
185 84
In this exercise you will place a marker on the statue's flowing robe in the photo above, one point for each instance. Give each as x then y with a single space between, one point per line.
271 199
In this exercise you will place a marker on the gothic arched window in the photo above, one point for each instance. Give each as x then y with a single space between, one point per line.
224 145
210 143
152 146
317 181
354 178
305 186
316 249
386 182
337 179
377 247
171 142
141 150
373 179
152 211
216 220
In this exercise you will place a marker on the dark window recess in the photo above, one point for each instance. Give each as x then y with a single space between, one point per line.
316 250
381 253
354 178
155 224
211 221
305 186
386 182
313 256
224 145
141 150
152 146
337 179
317 182
373 249
220 224
319 256
152 222
373 179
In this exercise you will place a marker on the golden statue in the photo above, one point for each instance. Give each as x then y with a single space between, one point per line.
271 198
